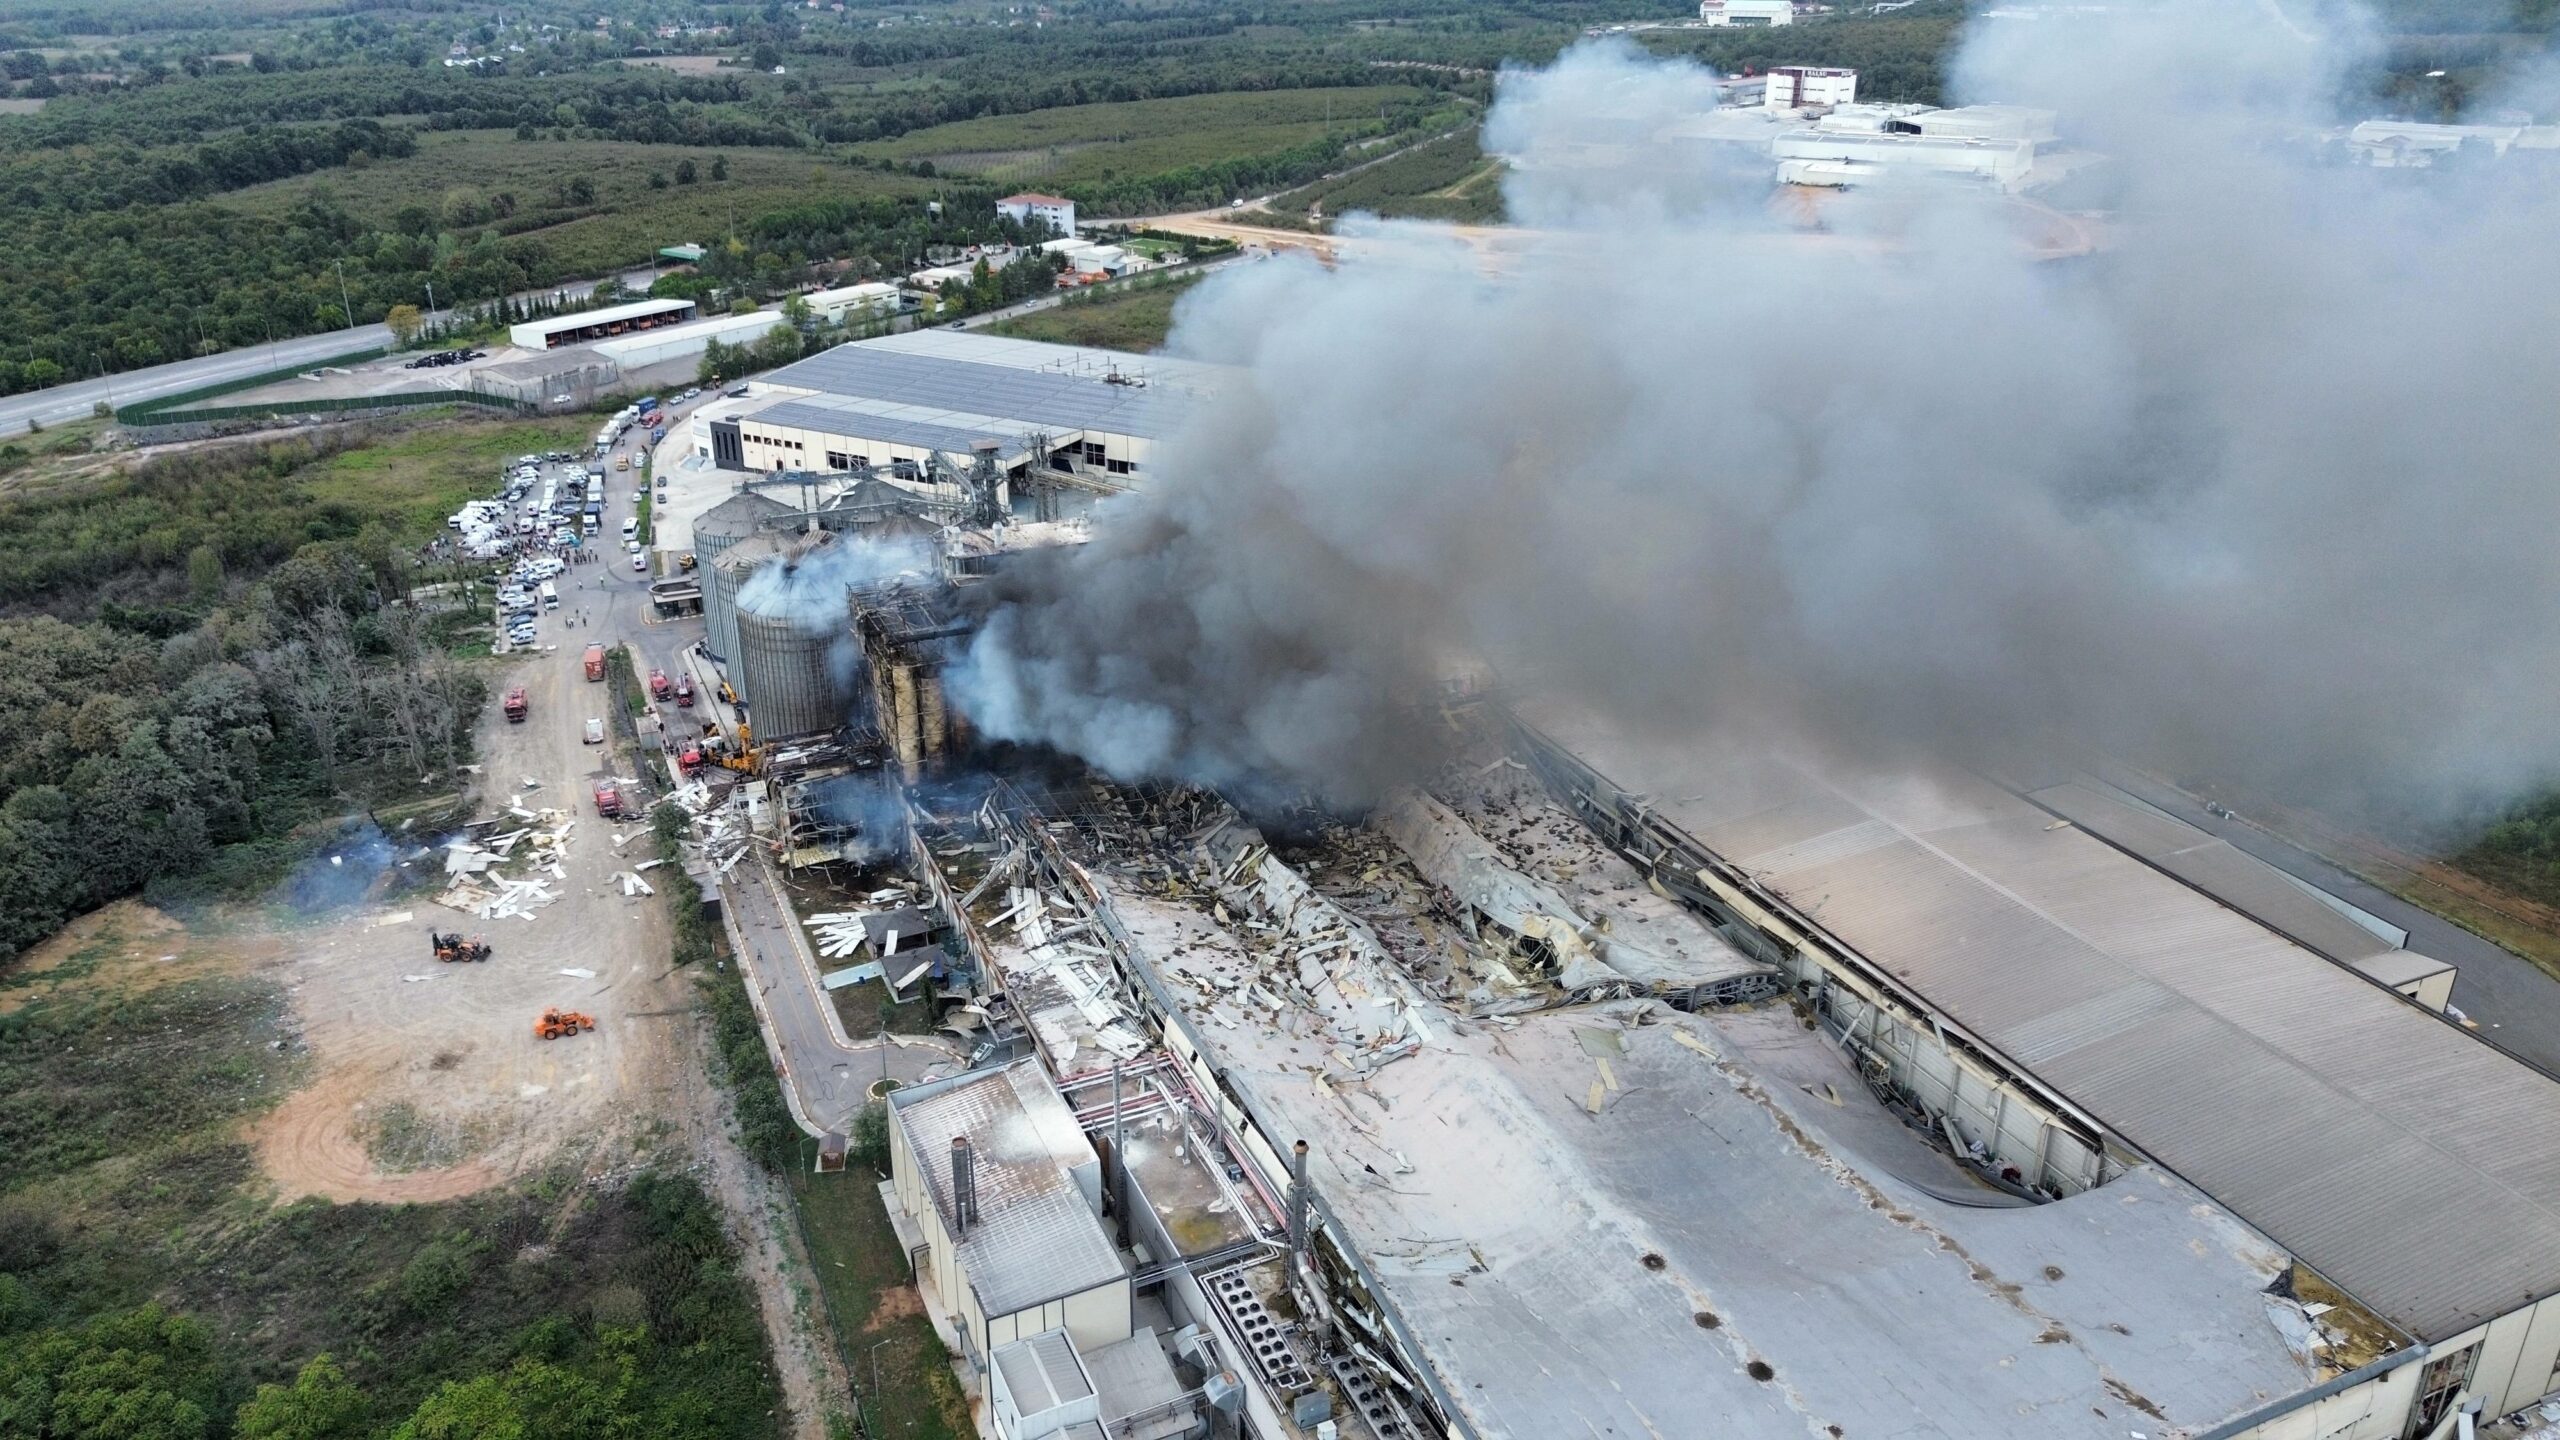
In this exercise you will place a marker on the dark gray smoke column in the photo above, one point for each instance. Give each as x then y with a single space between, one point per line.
2265 490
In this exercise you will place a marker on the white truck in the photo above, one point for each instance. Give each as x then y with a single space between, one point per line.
550 595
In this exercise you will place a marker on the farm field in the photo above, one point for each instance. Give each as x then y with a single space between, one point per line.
627 221
1447 179
1135 319
1090 143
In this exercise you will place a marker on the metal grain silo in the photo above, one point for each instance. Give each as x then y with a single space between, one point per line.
792 661
742 517
720 587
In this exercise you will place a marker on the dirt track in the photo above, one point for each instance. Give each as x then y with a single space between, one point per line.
389 1027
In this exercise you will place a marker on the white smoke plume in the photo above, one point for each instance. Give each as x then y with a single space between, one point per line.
2264 489
809 591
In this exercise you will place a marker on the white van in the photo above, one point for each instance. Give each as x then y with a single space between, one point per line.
550 595
630 527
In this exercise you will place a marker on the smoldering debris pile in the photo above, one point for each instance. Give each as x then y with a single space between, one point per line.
477 861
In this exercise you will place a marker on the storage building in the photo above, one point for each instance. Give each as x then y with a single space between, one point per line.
2073 1010
862 301
1794 87
1747 12
998 1201
908 397
592 325
688 341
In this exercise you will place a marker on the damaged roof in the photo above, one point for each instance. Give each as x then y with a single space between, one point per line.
2412 1165
1592 1244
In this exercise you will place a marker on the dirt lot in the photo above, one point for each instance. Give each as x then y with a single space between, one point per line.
428 1081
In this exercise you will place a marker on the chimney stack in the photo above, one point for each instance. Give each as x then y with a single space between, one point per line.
964 1188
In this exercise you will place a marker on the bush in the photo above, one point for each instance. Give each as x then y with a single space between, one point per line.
440 1272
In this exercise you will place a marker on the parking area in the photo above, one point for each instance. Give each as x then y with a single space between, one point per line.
687 483
546 518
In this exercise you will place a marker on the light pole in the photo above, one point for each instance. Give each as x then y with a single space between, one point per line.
876 1408
343 301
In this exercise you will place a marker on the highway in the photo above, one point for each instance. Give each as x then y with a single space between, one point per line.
77 399
2516 1005
74 401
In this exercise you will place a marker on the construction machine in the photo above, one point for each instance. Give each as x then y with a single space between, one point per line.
454 947
557 1024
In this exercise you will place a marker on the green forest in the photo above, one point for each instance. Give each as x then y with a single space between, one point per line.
214 652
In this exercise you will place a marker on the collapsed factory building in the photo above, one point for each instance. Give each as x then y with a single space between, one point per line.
1597 1085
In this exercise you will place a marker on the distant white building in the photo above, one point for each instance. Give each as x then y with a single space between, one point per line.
1747 12
1794 87
862 301
1857 145
1842 158
2396 144
1025 208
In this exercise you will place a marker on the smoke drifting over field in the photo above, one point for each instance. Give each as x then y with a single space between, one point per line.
2265 490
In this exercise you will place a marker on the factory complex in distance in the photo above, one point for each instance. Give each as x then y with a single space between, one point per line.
1594 1085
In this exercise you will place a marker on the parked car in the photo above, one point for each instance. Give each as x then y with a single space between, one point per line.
639 562
595 730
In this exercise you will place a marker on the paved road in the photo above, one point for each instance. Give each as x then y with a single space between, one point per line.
829 1074
76 401
2516 1004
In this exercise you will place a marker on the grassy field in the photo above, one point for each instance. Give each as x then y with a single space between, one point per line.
1450 179
627 222
875 1304
131 1054
419 477
1119 319
1136 137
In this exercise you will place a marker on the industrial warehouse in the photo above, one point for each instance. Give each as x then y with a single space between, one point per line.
1790 1101
901 399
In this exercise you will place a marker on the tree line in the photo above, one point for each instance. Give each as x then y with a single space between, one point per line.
78 181
202 659
608 102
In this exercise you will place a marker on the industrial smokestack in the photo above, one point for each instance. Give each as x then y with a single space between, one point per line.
964 1187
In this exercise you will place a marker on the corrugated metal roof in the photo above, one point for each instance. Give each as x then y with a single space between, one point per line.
1043 1373
2412 1165
852 422
1036 1238
2211 864
878 375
